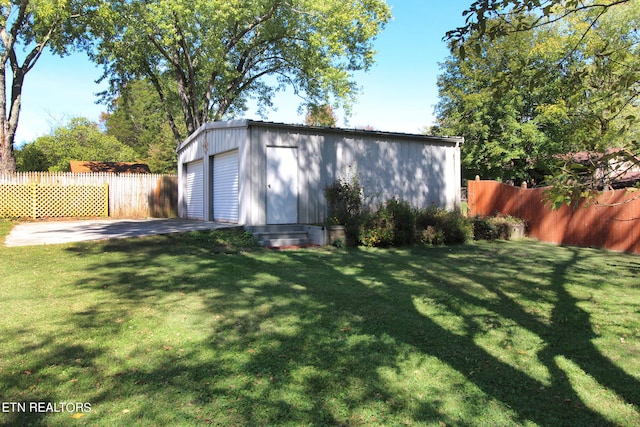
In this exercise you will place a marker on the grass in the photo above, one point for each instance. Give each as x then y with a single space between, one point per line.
204 329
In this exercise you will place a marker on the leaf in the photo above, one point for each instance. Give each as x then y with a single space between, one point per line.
559 200
572 4
77 416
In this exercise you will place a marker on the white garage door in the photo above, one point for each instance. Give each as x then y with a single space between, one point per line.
225 187
194 190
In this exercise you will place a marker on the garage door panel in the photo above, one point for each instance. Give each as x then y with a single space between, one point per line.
225 187
194 190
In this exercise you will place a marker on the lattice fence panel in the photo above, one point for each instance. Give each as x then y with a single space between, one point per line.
71 201
16 201
130 195
53 201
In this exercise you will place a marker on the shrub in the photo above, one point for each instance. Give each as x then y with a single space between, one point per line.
494 227
376 231
436 225
457 228
431 236
393 224
344 200
483 229
503 229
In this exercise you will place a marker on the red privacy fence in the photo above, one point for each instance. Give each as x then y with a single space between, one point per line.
612 223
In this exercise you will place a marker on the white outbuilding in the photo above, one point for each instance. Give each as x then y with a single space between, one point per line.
257 173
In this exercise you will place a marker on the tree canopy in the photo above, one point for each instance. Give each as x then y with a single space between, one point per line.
497 118
137 119
27 28
80 139
523 93
497 18
320 115
213 57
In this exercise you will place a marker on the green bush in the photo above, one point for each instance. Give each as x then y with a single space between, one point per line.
483 229
435 225
376 231
393 224
344 200
493 227
503 229
431 236
457 228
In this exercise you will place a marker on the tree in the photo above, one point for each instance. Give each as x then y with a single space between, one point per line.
80 139
321 115
487 97
27 28
216 55
511 16
529 96
137 119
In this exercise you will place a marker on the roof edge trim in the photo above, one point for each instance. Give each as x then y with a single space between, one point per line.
246 123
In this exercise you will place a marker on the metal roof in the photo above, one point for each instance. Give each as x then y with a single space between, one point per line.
247 123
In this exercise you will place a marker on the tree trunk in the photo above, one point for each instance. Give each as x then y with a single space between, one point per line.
9 123
7 158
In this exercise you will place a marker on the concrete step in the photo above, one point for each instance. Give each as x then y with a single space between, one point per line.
276 228
281 234
274 236
280 242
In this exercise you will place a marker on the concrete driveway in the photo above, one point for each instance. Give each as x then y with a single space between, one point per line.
54 232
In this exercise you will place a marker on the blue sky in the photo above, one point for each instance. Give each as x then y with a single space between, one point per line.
397 94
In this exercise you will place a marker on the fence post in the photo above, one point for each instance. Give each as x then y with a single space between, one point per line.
471 196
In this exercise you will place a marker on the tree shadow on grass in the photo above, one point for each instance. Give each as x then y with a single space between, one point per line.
568 335
316 337
47 379
274 353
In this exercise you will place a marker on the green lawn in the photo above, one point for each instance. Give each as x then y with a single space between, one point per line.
191 330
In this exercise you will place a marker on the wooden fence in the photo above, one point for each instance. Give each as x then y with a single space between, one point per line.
613 222
130 195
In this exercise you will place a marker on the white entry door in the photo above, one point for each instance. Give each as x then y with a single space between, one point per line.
282 185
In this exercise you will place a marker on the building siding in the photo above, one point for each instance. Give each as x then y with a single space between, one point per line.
417 169
206 142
